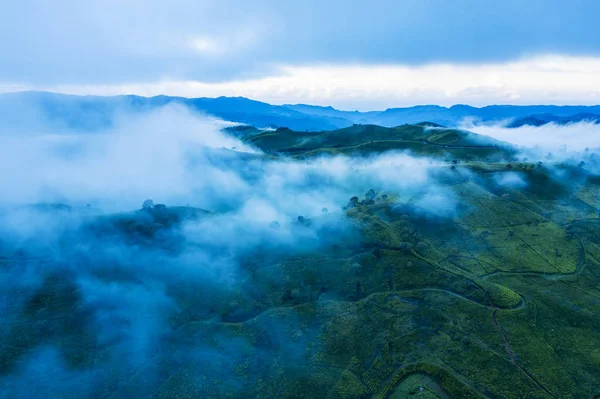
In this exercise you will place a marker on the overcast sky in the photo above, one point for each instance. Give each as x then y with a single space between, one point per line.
349 54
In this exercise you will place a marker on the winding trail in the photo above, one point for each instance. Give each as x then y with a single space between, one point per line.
301 150
384 387
505 337
579 268
365 299
512 356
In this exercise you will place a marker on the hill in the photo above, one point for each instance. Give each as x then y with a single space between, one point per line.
420 139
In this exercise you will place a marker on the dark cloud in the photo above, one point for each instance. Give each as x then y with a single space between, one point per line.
114 42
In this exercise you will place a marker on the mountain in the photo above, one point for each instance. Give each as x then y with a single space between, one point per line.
543 119
59 112
351 116
433 113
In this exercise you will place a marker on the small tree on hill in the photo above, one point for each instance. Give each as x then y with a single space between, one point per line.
148 204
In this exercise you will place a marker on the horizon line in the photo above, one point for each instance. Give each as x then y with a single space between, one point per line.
298 104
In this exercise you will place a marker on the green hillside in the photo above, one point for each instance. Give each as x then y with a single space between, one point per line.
419 139
489 290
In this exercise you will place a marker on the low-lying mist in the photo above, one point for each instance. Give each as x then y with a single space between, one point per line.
98 291
106 294
550 137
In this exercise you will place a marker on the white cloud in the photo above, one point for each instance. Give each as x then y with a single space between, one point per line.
230 42
204 45
550 137
510 179
542 80
142 156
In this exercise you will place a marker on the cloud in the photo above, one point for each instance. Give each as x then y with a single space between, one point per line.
549 138
179 158
120 313
205 45
378 86
48 45
437 202
144 155
511 180
240 39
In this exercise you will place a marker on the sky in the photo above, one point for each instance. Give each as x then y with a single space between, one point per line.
352 55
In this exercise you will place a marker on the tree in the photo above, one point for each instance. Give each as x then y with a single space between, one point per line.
148 204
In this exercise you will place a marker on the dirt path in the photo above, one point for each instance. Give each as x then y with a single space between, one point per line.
512 356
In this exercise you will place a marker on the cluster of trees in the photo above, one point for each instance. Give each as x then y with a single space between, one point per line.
149 205
369 199
524 166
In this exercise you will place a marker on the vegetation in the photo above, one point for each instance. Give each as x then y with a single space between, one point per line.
498 299
420 139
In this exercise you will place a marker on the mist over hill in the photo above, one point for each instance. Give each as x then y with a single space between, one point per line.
151 249
273 199
59 112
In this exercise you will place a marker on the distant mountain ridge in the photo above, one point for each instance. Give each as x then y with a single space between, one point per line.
544 119
44 110
454 115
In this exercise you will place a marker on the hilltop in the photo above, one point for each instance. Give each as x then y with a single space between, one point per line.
426 139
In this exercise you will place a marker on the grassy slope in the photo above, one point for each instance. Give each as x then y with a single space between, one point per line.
421 139
500 301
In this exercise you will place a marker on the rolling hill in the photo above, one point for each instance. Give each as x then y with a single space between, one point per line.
425 139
